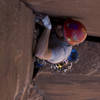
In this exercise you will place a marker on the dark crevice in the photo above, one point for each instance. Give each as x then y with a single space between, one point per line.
93 38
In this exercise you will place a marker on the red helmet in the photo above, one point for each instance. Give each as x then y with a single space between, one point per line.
74 32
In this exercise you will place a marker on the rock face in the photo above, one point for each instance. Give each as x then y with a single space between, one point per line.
16 34
86 11
16 37
81 83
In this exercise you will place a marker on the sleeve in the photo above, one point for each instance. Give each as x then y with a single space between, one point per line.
59 54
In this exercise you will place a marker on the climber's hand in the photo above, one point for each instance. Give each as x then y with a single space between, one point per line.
47 23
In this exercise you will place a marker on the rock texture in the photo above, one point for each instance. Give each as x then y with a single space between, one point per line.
86 11
16 34
16 37
81 83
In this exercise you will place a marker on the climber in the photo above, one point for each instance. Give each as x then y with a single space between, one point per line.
56 46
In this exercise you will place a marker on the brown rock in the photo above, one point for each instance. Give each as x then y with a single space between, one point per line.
16 34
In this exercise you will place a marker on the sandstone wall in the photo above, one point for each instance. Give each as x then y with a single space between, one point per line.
16 34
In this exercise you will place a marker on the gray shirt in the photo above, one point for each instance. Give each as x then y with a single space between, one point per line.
60 50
